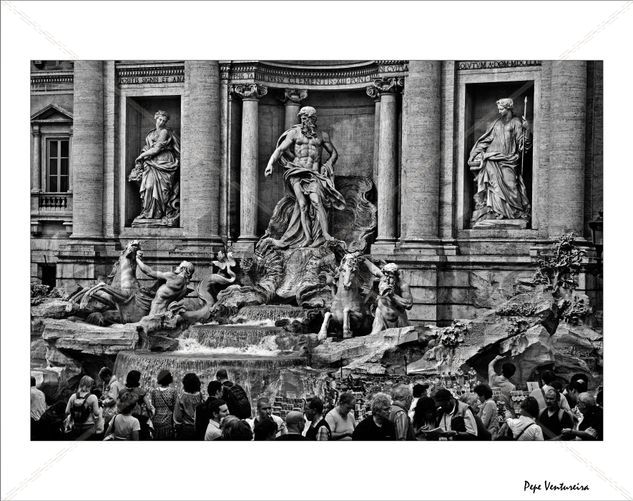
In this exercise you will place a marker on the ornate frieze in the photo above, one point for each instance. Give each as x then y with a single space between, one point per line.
52 80
279 75
491 65
295 95
144 74
249 91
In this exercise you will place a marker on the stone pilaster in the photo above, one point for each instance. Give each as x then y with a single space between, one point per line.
201 155
292 103
250 94
87 149
36 166
567 147
375 95
388 159
421 142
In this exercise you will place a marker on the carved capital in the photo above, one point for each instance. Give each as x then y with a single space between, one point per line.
294 96
35 130
249 92
373 92
388 85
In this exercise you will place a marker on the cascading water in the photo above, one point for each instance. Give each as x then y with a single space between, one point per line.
264 359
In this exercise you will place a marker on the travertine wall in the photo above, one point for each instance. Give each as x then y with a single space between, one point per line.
454 272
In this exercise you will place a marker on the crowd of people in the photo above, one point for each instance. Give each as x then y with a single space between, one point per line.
117 410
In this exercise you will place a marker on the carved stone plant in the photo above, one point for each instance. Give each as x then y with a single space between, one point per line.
559 271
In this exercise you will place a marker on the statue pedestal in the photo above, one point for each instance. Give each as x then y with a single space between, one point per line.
155 223
501 224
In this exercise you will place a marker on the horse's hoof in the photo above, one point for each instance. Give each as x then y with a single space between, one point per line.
347 334
322 336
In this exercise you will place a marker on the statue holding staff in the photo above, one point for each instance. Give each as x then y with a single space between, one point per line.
496 159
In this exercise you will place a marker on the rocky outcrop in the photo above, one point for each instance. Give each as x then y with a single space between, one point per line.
50 308
89 339
357 352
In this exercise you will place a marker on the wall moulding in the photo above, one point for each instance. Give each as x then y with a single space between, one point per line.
350 76
154 73
43 81
493 65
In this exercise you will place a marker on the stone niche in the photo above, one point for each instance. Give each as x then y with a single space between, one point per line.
480 112
139 120
347 116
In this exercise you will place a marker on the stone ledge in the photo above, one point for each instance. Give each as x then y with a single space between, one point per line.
89 339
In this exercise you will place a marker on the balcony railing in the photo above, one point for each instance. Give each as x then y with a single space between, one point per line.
55 202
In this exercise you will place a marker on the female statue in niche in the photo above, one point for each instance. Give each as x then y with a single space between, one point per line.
157 170
496 160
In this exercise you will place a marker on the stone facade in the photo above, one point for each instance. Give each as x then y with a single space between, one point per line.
407 124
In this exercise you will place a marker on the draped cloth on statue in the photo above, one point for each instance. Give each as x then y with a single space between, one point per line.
500 191
160 186
317 184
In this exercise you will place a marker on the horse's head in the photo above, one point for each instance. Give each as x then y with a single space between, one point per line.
348 268
130 249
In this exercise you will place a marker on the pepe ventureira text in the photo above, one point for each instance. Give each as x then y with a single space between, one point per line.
552 486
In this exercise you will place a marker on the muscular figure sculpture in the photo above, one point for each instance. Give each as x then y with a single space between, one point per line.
299 151
394 298
174 288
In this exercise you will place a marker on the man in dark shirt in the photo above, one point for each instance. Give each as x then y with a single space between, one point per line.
319 428
553 419
295 423
590 427
203 414
377 426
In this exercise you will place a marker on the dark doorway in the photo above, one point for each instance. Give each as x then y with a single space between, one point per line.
49 274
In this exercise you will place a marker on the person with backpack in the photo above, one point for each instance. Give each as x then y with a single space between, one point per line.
143 410
164 399
234 395
82 411
524 427
123 425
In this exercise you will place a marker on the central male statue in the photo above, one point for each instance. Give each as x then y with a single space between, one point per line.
299 151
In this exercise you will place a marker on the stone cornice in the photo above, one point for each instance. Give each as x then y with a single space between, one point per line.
52 80
150 73
495 64
279 75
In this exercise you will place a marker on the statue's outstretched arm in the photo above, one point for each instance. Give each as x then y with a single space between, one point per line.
150 272
286 143
373 269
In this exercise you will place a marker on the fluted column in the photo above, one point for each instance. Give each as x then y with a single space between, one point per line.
292 102
201 153
567 147
250 94
388 159
375 95
421 141
87 149
36 167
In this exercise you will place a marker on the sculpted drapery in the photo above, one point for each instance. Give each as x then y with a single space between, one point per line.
157 170
496 160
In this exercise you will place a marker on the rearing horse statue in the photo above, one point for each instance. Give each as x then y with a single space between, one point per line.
349 308
123 304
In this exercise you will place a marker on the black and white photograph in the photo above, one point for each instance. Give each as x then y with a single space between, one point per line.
254 244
